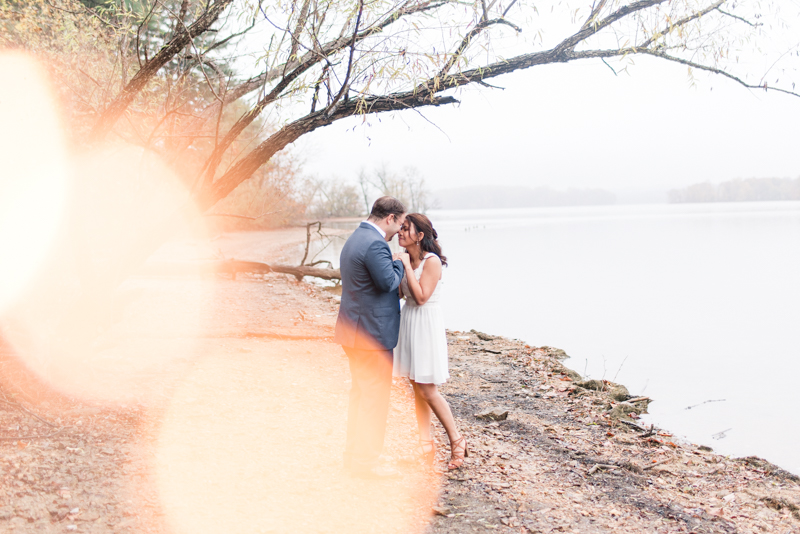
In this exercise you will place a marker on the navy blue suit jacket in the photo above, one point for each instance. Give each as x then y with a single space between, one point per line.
369 315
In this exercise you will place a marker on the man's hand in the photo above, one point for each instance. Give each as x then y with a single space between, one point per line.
403 257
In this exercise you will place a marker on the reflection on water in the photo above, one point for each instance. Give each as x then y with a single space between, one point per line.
684 303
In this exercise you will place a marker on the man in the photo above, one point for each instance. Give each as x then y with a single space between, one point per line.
367 328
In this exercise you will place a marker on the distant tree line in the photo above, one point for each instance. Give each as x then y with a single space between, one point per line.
739 190
337 198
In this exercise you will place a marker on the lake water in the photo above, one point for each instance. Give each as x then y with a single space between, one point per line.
684 303
692 305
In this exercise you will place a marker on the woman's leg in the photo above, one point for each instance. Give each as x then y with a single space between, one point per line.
423 414
429 394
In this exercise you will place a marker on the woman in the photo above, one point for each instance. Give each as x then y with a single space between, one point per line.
421 353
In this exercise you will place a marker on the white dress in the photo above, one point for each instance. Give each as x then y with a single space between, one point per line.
421 352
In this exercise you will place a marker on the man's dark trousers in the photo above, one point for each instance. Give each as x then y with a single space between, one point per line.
367 329
371 374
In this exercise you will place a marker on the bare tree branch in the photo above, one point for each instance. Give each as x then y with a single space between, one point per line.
714 70
587 31
299 66
229 38
301 22
198 57
682 22
742 19
346 83
118 106
465 42
595 11
329 48
246 166
505 12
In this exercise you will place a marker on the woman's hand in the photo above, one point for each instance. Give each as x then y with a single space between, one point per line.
403 257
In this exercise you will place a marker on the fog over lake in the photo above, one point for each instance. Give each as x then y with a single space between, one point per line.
683 303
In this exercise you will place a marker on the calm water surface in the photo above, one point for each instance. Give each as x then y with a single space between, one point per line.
684 303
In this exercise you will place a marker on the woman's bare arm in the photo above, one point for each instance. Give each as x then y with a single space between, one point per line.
399 256
423 288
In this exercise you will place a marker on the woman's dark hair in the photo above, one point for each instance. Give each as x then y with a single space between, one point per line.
429 242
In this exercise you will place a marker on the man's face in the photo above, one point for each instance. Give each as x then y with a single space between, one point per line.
394 223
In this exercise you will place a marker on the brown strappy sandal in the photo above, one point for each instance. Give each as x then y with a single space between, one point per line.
426 456
458 451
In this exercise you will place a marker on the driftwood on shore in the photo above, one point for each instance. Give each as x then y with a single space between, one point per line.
301 270
233 267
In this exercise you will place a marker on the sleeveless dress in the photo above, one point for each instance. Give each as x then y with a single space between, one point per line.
421 352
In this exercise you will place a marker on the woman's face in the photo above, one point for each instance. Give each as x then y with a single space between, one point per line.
407 235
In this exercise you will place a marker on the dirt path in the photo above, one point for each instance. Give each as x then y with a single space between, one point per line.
219 405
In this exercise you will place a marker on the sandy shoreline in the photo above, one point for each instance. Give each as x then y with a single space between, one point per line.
196 425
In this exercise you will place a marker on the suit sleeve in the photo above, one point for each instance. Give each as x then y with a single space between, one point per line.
384 272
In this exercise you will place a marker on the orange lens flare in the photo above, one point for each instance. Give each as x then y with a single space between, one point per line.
33 181
72 228
254 444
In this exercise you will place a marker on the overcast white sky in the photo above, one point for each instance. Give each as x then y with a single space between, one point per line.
577 125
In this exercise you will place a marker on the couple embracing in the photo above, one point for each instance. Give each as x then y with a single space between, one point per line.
381 341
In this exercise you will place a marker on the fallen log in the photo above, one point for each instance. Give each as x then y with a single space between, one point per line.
299 271
236 266
233 267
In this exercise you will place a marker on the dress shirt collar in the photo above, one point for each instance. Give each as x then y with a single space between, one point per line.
378 228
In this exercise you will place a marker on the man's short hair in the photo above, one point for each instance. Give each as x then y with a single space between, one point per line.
386 206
